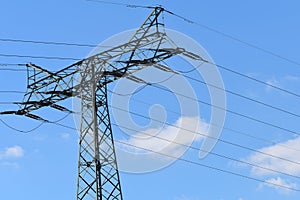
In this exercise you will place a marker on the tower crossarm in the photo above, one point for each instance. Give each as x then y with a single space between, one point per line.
45 88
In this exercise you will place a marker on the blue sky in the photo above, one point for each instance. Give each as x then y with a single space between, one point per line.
42 164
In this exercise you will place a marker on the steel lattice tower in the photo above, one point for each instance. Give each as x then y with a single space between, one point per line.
98 176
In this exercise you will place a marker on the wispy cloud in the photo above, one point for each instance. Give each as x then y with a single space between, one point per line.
292 78
288 150
12 152
9 164
277 182
183 131
280 150
284 82
281 81
65 136
272 82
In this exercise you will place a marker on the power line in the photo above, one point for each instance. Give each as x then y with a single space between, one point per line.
188 161
227 110
121 4
192 147
270 85
170 124
13 70
256 80
242 75
219 66
231 111
209 152
137 100
172 13
234 38
217 87
258 138
226 90
191 162
88 163
178 114
188 71
19 130
215 125
205 27
239 95
211 167
77 59
221 140
39 57
5 103
142 87
56 122
38 126
11 91
182 159
237 113
12 64
51 43
211 137
65 126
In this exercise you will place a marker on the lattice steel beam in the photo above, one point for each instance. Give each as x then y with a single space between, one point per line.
98 176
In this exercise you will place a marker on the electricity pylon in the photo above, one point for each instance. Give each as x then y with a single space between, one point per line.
98 176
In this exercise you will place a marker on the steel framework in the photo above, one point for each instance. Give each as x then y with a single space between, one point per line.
98 176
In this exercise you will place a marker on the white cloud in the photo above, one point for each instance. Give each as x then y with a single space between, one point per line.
12 152
279 82
292 78
65 136
286 150
181 132
272 82
279 184
9 164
